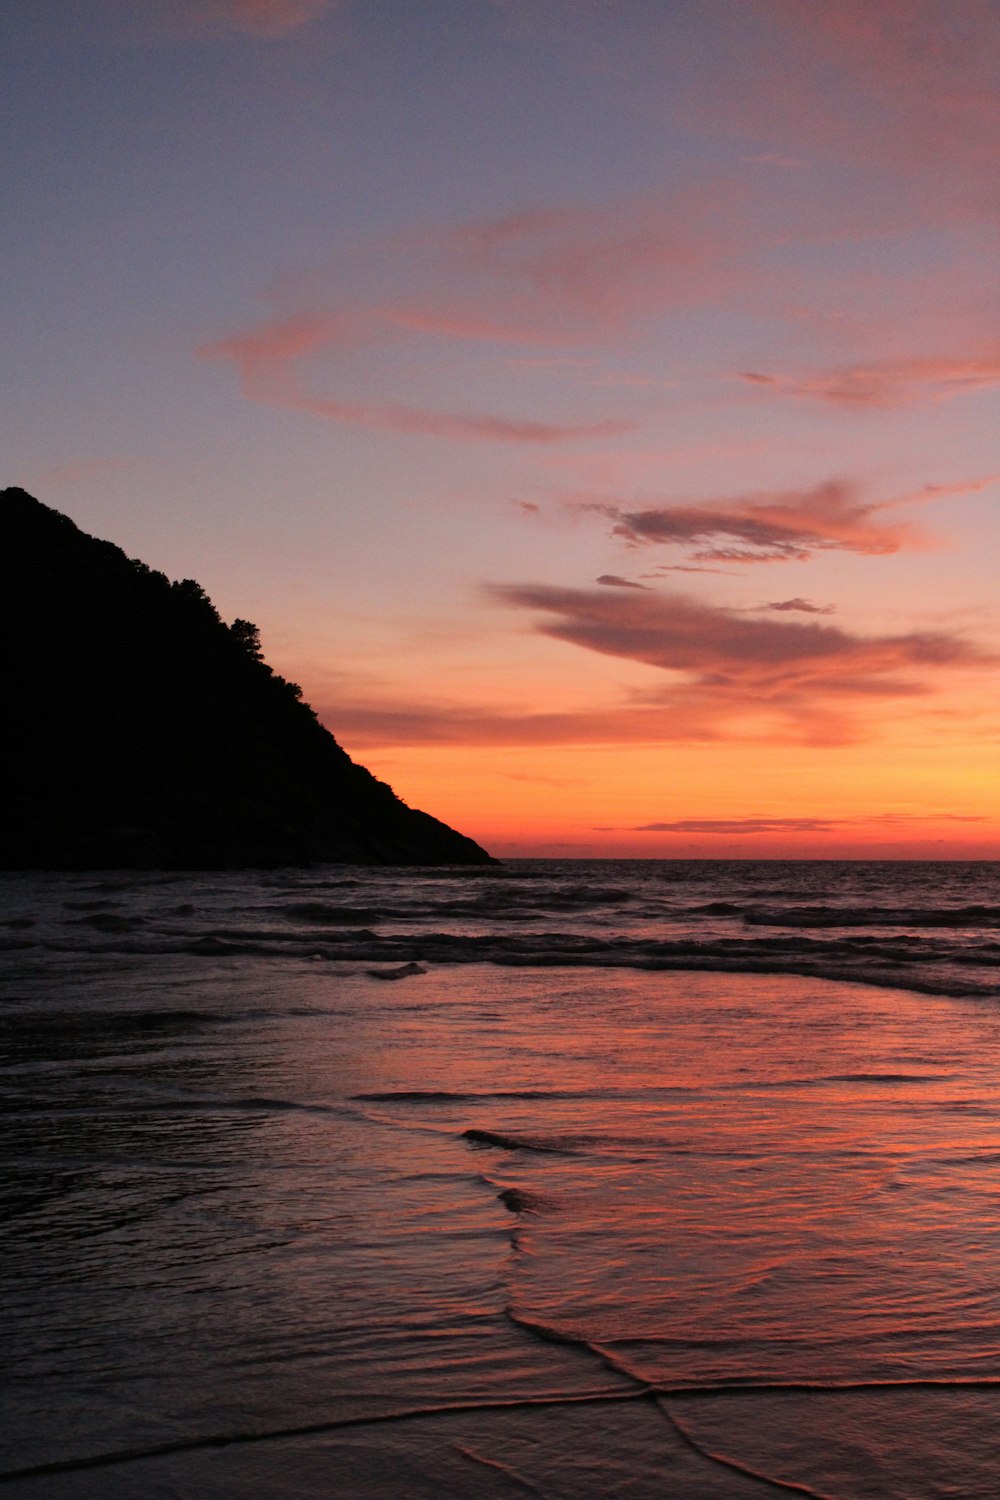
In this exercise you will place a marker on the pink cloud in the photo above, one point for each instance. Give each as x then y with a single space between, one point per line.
599 264
267 361
460 326
543 279
265 351
78 471
394 418
934 59
962 487
883 385
264 18
546 279
909 83
764 527
612 580
558 274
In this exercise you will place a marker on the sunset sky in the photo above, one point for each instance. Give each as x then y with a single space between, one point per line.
594 402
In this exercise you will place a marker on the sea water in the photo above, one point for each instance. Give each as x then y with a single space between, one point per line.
574 1179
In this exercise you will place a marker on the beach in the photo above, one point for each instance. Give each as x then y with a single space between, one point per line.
275 1225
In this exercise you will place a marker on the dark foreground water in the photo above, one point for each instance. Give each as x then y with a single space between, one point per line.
580 1210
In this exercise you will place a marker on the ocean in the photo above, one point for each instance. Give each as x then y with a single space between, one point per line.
565 1178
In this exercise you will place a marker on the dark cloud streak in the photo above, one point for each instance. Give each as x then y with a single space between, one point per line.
782 526
798 606
724 665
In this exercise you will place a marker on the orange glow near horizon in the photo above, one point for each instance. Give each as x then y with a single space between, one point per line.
594 802
597 419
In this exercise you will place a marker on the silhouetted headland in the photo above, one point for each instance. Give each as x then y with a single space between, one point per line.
144 732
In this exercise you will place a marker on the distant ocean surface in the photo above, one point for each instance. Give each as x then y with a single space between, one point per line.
566 1178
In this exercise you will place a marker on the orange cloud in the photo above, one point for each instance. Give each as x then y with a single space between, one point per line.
726 676
722 647
777 527
797 825
724 664
361 723
742 825
887 384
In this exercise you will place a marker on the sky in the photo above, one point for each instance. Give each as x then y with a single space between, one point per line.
594 402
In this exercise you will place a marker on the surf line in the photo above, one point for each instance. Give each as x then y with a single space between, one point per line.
734 1465
656 1396
308 1429
507 1470
658 1393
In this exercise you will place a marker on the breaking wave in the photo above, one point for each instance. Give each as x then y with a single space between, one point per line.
939 932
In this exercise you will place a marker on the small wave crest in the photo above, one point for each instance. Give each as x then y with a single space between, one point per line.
886 916
503 1141
448 1096
322 913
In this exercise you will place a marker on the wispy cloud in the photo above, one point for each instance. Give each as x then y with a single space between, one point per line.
542 780
268 362
399 418
725 677
722 647
795 825
798 606
545 279
263 18
665 569
263 354
78 471
887 384
720 674
742 825
439 323
363 723
942 491
724 665
614 581
600 264
781 526
917 76
932 62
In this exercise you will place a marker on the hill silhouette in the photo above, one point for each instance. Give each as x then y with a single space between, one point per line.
144 732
